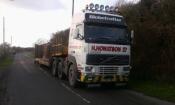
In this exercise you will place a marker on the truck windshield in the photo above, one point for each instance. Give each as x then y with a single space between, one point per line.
106 34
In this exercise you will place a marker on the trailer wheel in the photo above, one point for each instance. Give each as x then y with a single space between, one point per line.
61 75
72 76
54 68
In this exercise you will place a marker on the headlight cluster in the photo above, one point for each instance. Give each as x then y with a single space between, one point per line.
88 69
102 8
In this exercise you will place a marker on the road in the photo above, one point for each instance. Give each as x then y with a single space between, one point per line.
28 84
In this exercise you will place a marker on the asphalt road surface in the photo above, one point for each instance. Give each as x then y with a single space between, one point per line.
28 84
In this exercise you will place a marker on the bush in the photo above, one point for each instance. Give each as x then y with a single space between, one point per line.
5 50
153 55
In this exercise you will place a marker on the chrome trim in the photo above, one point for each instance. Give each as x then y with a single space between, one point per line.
108 70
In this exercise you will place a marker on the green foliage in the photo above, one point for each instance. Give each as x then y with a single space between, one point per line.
154 43
6 62
163 91
64 33
60 37
4 50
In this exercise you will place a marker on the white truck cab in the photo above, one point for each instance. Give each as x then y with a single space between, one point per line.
100 44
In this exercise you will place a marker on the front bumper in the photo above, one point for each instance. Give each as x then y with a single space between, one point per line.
103 79
104 74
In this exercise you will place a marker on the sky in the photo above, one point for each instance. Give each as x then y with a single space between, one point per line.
27 21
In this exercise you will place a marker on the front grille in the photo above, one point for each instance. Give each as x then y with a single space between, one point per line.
108 70
96 59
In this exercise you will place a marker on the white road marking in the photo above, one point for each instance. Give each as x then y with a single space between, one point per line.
25 67
69 89
45 72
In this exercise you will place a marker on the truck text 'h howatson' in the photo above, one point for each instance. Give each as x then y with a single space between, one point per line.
96 50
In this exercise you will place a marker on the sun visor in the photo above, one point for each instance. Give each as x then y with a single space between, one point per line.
104 19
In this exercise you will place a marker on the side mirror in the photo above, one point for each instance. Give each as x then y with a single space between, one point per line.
77 35
81 37
132 36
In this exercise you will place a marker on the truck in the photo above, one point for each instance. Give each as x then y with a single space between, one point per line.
95 50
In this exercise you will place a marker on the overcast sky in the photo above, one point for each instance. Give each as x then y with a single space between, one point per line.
30 20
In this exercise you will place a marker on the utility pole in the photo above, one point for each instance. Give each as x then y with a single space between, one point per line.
4 36
11 41
72 8
3 30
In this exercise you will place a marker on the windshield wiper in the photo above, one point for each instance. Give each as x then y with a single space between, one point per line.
100 38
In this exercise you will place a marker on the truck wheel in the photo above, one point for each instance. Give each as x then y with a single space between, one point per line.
54 68
61 75
73 76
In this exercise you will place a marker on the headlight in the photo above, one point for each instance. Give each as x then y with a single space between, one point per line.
91 6
102 7
107 8
97 7
88 69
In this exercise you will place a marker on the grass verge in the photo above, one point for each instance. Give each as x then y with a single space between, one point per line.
162 91
6 62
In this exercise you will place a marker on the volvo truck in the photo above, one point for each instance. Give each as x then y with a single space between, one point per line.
95 50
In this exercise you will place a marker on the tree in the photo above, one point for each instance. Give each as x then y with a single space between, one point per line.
154 44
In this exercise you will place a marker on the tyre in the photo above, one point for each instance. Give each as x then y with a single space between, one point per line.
36 62
72 76
54 68
61 74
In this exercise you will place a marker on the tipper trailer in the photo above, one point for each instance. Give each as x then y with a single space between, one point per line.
96 49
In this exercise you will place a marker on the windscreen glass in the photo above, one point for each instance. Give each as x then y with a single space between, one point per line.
106 34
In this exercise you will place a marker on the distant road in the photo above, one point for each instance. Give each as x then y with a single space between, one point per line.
28 84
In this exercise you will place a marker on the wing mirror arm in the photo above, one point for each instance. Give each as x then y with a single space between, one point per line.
81 37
